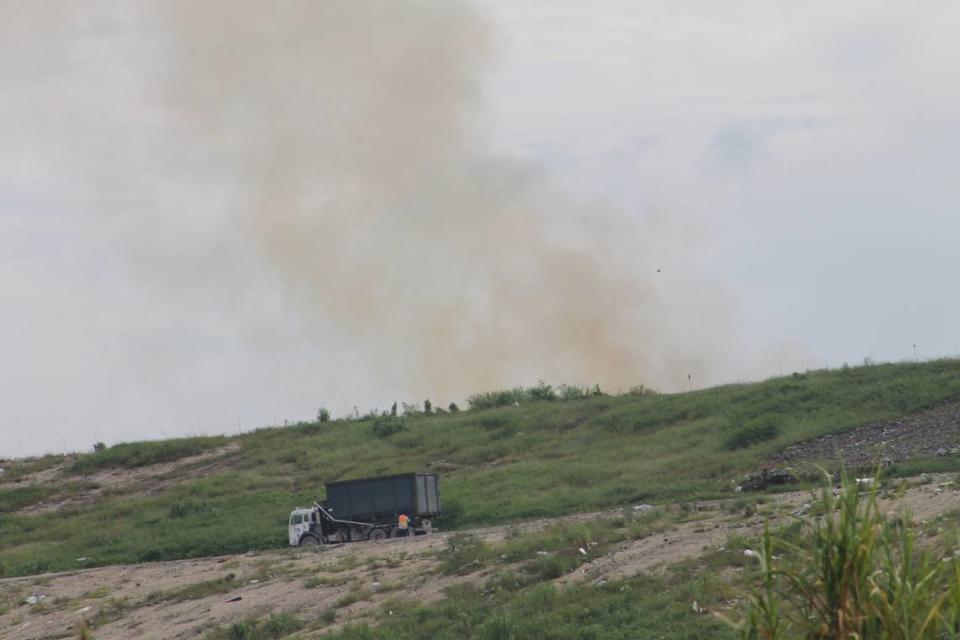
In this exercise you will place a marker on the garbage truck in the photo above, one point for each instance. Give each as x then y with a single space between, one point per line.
368 509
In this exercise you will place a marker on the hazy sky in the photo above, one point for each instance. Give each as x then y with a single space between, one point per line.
790 170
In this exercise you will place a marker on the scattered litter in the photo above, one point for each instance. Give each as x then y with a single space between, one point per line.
697 608
864 483
83 559
235 599
643 508
802 510
543 553
85 609
750 553
35 599
254 581
582 551
599 582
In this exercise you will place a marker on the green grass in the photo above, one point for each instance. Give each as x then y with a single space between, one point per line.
646 606
543 458
14 498
138 454
274 627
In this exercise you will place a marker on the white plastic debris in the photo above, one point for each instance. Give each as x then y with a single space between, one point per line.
582 551
643 508
35 599
697 608
750 553
85 609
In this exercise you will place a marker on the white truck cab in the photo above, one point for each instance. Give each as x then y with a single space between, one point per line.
300 521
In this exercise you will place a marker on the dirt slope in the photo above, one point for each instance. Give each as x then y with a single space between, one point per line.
140 600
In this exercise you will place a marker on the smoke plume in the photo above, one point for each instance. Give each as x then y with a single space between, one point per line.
336 151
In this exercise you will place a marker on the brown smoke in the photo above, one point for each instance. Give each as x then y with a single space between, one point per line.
349 135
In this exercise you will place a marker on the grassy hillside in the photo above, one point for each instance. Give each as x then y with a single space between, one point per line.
501 464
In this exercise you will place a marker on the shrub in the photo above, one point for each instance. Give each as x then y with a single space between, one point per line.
750 435
453 408
427 406
642 390
464 554
386 427
278 625
323 415
451 517
99 447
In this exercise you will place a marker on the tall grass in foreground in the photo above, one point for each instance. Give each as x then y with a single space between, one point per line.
856 574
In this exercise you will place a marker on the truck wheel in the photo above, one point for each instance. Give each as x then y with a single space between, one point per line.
395 532
309 541
377 535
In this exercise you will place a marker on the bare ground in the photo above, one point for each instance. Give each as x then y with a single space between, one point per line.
137 600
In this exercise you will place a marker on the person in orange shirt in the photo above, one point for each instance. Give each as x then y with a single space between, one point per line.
404 524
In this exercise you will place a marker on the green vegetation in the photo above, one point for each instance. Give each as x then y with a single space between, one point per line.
646 606
856 574
543 392
541 457
849 572
551 552
16 498
316 582
194 591
276 626
138 454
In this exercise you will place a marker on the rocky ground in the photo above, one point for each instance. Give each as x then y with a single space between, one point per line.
934 432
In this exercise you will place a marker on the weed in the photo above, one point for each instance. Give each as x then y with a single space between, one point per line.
464 554
274 627
194 591
858 576
325 581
